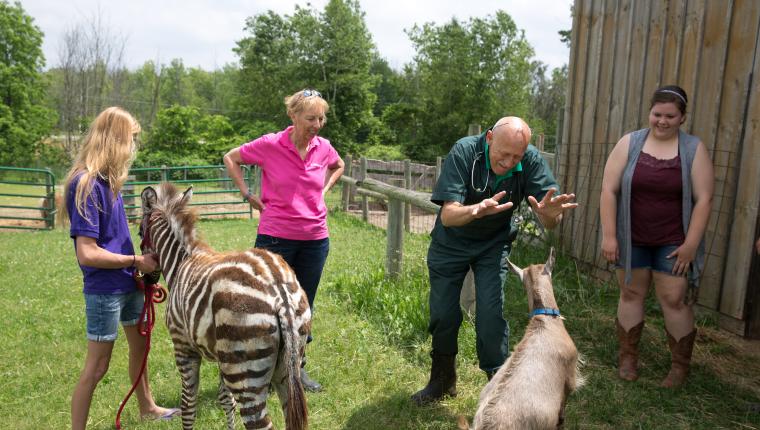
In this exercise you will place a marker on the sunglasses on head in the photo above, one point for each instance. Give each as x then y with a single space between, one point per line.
310 93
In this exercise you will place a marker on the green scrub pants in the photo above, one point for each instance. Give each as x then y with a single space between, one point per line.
448 268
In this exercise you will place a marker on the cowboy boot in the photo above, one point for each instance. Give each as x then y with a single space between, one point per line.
680 359
443 380
628 354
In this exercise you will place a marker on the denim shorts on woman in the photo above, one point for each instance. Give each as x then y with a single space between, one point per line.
652 257
105 311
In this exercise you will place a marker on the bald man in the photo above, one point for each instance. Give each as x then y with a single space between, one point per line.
483 181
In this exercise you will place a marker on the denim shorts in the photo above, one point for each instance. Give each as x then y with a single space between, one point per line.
653 258
105 311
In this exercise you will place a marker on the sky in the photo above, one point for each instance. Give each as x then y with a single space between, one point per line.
203 32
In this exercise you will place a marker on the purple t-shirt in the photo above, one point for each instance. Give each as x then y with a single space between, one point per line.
291 188
107 224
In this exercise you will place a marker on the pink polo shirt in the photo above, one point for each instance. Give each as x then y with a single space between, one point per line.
291 188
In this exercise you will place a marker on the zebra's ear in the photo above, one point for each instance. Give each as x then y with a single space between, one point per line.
186 196
148 197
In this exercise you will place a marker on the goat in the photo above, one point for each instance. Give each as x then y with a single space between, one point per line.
45 205
530 390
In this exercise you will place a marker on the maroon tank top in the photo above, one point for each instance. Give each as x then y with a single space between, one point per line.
656 206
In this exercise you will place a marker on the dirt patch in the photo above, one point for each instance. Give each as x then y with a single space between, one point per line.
22 213
734 359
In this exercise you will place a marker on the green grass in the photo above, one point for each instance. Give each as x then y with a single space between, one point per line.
370 348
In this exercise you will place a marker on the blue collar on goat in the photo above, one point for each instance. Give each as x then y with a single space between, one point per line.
545 311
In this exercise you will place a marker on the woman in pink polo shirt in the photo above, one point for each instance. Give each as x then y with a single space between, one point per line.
298 168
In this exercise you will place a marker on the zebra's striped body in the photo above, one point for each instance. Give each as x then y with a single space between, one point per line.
244 310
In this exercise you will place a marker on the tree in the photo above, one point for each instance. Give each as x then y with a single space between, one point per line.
143 93
90 76
346 61
331 52
465 73
268 61
547 100
24 119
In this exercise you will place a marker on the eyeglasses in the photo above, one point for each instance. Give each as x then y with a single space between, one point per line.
309 93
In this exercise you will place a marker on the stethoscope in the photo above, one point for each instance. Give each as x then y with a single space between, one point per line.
482 189
472 174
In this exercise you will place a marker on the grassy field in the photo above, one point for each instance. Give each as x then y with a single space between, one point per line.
370 348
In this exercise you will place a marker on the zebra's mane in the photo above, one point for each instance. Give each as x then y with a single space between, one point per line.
181 217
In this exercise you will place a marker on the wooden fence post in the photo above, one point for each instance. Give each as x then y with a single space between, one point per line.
438 166
473 129
346 196
164 173
394 251
257 180
363 176
408 186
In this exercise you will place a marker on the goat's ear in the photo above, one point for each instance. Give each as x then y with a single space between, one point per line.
549 266
186 196
148 198
518 271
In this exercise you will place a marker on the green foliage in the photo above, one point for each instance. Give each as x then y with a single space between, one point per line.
467 73
384 152
182 136
24 118
331 52
175 130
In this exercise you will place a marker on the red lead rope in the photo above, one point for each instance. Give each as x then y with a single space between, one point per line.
154 293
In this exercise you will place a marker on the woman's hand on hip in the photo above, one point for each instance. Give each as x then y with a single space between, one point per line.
255 202
684 256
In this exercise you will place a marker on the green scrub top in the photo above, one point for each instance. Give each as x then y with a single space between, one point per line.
463 179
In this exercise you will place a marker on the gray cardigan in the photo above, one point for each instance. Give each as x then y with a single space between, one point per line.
687 148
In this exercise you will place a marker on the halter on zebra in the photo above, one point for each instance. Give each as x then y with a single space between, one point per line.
244 310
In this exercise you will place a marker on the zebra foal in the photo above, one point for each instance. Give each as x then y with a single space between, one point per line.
244 310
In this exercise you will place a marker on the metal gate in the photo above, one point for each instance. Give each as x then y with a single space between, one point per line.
27 198
214 193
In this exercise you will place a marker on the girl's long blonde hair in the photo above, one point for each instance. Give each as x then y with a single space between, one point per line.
107 151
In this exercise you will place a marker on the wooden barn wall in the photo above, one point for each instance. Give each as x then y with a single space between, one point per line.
622 50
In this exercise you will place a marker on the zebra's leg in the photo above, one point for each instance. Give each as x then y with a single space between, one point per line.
250 389
227 401
190 372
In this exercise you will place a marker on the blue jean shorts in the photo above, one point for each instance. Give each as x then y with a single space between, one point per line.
105 311
653 258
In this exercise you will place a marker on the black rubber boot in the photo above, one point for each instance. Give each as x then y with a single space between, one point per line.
309 384
443 380
490 374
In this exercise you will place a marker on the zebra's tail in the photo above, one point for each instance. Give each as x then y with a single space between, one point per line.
297 413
